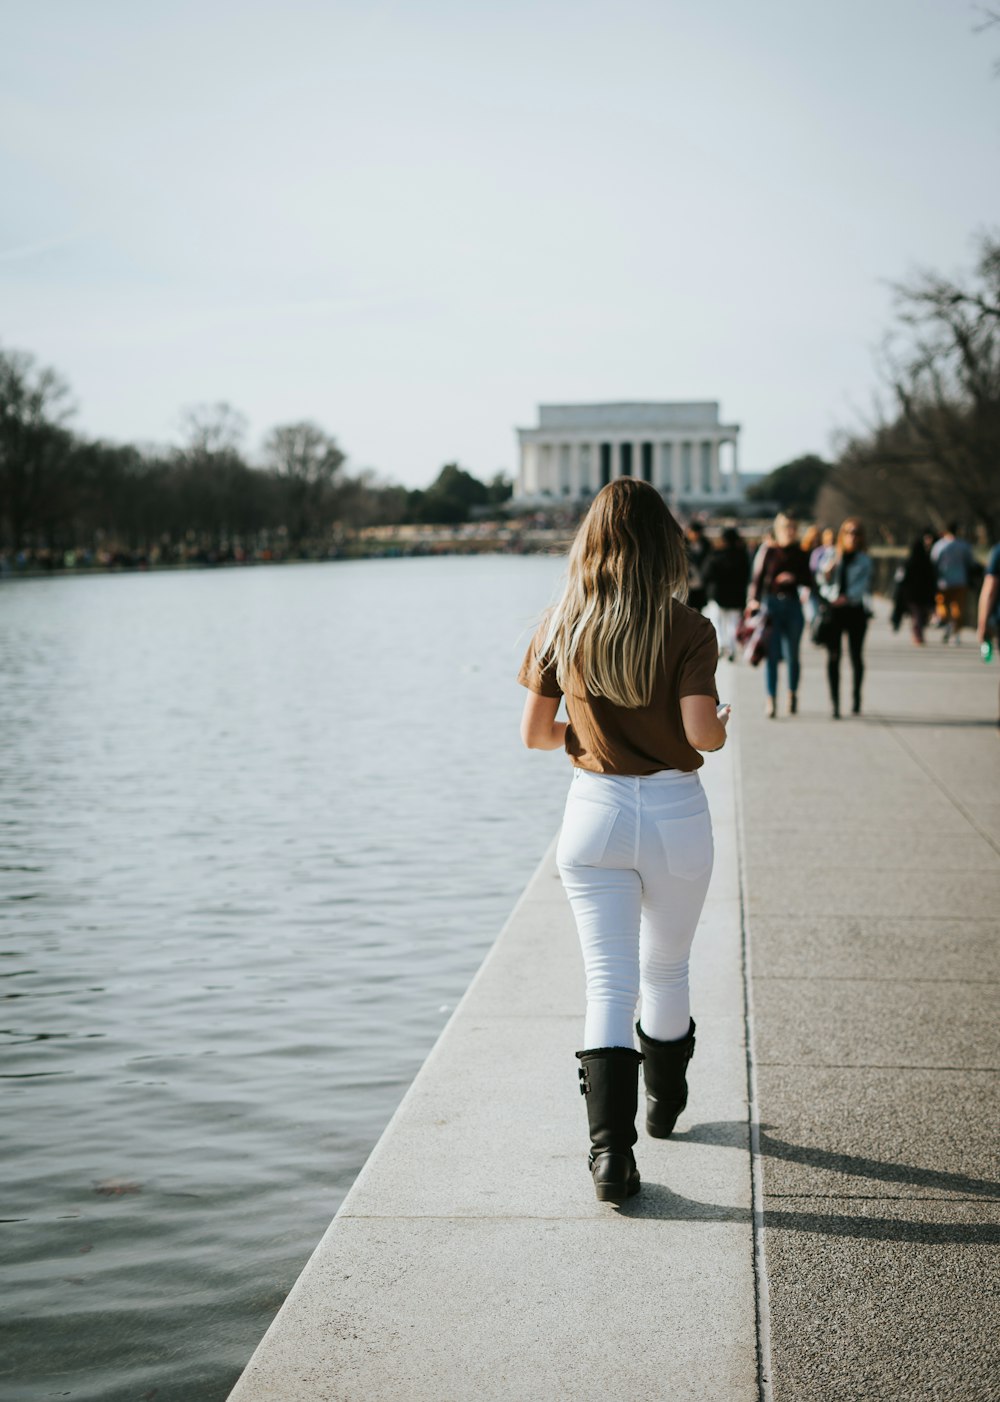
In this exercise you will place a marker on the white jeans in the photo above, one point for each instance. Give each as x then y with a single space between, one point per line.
726 622
635 856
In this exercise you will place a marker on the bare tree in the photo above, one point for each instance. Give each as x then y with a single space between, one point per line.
947 380
990 20
937 454
881 477
302 451
34 442
212 428
210 472
306 460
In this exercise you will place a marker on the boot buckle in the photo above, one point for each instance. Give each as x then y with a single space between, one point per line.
584 1081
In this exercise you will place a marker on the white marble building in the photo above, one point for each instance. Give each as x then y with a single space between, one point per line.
682 449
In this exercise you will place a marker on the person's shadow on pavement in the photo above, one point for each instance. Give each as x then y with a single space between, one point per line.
660 1201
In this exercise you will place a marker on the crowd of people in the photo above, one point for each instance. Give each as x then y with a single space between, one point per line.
823 579
637 672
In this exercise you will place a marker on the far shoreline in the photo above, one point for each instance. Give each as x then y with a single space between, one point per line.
554 544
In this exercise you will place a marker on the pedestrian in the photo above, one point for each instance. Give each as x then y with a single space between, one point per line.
898 597
988 619
845 583
953 560
766 541
812 546
636 667
811 539
918 586
782 573
823 549
727 578
698 551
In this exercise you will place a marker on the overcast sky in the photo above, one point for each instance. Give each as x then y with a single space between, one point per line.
414 222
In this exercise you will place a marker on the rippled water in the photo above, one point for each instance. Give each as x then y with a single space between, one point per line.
258 829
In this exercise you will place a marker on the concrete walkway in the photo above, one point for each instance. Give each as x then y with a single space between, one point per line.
873 896
471 1261
857 867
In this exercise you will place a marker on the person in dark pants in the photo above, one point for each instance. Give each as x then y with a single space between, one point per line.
698 551
954 562
727 578
779 581
845 582
918 587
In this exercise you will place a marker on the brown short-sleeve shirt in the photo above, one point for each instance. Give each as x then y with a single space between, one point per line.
610 739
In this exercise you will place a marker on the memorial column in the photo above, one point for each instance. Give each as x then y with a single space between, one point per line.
665 467
529 467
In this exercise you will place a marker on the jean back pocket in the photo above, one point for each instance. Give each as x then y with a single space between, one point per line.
688 845
586 832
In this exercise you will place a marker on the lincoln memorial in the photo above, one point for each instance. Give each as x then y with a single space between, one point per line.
682 449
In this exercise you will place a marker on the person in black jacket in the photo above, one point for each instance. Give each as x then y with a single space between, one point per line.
698 551
727 578
918 586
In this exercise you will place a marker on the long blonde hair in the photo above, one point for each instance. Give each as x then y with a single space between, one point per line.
608 633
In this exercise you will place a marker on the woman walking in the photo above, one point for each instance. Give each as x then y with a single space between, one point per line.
727 576
637 669
783 571
919 584
845 582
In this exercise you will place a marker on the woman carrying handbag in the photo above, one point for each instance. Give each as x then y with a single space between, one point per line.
845 582
637 669
783 571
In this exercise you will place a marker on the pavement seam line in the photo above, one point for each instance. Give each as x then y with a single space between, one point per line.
908 750
763 1300
885 1197
989 922
877 1066
851 978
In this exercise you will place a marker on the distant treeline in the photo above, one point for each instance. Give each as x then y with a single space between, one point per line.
61 492
929 454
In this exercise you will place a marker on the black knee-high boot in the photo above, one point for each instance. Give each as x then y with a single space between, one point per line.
609 1078
665 1072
